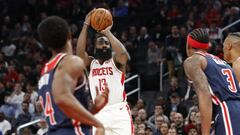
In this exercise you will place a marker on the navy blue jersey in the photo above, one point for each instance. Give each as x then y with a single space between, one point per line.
222 79
225 93
56 119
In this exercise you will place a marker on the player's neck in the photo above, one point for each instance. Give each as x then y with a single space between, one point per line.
100 61
235 57
62 50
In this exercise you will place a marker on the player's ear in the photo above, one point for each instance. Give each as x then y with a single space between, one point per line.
229 46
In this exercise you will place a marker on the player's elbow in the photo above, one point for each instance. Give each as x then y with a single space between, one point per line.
59 101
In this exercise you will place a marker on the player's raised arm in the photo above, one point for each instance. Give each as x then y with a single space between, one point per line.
193 67
121 55
65 80
82 41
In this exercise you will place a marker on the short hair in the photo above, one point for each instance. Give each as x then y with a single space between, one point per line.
54 32
235 34
200 35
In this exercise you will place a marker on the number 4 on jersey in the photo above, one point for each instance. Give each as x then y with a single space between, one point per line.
49 111
230 80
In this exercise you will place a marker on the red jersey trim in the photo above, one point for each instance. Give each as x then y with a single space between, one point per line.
52 63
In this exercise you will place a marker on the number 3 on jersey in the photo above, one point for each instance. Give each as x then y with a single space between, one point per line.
48 110
230 80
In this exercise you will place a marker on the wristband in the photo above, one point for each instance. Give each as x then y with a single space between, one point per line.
86 23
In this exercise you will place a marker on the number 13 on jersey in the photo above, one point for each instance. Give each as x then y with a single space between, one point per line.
102 84
230 80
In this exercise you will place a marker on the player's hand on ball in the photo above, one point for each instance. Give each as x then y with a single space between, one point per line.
88 17
107 29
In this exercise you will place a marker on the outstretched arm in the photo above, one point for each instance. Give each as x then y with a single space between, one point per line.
193 67
82 41
66 76
121 55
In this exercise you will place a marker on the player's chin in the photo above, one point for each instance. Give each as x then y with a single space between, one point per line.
227 58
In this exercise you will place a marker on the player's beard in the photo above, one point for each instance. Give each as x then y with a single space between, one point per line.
103 54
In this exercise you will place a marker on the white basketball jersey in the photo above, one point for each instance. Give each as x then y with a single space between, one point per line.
109 74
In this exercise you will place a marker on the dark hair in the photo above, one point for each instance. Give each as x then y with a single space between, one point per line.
54 32
200 35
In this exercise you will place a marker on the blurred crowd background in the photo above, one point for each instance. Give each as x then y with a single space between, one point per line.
154 33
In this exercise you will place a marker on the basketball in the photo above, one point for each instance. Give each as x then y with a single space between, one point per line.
100 19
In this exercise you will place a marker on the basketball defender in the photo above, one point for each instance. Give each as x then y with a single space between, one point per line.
231 49
214 80
57 86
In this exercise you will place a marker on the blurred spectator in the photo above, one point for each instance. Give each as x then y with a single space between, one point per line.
134 112
158 122
9 50
121 10
176 105
16 98
214 31
143 38
27 98
23 117
8 109
154 54
190 120
31 90
179 124
192 131
133 34
141 126
158 111
175 87
3 93
3 65
38 114
4 124
140 104
11 75
26 26
141 132
173 43
231 15
198 121
148 131
158 34
142 114
172 131
164 128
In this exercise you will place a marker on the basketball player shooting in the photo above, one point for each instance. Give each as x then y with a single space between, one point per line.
214 80
107 68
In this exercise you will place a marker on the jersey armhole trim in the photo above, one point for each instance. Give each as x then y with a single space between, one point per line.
113 63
